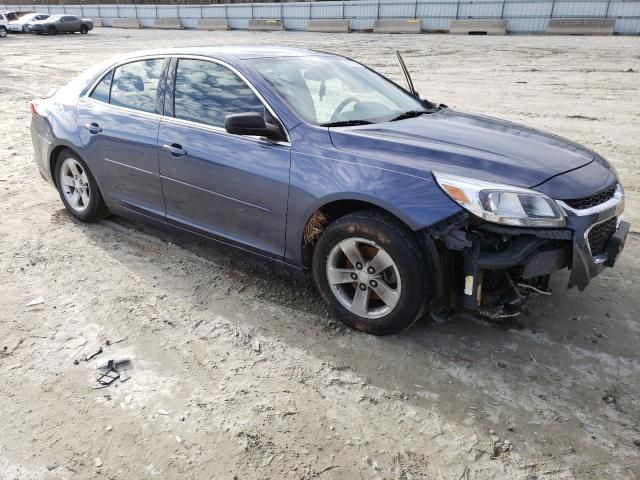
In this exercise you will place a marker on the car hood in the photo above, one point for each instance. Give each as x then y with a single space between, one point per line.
464 144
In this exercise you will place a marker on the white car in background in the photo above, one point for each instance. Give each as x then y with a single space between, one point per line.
22 23
4 25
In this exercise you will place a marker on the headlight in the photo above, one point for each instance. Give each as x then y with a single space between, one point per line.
504 204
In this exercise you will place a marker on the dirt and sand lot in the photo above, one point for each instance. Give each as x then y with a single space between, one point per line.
238 371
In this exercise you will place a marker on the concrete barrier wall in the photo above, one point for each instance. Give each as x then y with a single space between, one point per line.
523 16
265 25
330 26
126 23
580 26
213 24
478 27
168 23
398 26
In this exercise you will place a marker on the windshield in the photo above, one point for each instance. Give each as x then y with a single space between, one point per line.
327 90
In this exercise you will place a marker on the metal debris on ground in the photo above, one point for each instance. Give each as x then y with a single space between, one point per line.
94 354
109 371
35 301
108 377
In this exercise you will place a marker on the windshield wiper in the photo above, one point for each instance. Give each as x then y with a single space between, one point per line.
346 123
410 114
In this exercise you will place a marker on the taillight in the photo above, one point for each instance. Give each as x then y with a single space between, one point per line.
34 106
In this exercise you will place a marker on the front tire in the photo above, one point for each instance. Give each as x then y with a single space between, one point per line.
84 29
52 30
78 188
372 272
3 32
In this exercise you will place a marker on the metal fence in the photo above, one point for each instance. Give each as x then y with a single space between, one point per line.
523 16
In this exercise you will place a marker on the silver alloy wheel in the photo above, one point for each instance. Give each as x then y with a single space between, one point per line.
3 32
75 184
364 278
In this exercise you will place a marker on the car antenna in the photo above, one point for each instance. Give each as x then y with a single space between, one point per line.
407 76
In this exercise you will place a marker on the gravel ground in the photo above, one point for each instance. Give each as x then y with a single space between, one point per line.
237 371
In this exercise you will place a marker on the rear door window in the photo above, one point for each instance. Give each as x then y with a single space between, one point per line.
206 92
135 85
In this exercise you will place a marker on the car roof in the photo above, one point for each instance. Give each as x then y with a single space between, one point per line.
242 53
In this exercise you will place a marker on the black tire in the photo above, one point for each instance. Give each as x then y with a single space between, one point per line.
404 249
96 208
25 29
3 32
52 30
84 29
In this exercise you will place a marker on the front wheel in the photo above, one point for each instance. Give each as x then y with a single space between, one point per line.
52 30
372 272
3 32
84 29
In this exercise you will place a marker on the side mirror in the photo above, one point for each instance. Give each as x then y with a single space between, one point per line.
251 123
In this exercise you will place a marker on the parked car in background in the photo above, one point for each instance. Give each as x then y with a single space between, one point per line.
4 25
22 24
397 205
61 24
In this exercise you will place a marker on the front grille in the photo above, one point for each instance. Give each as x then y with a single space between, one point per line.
582 203
600 234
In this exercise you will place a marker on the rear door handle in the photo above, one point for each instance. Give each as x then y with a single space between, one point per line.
175 149
93 127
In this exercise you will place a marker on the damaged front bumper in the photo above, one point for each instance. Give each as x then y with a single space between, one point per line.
501 265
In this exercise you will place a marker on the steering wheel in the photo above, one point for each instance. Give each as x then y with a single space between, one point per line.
343 104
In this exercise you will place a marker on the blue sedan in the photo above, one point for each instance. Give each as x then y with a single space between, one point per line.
398 206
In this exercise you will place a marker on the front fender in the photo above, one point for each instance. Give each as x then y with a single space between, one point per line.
321 174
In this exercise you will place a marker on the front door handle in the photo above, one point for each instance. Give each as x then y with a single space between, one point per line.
93 127
175 149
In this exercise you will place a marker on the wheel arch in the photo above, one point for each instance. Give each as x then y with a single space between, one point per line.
329 210
53 158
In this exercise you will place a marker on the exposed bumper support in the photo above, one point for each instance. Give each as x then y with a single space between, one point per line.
497 258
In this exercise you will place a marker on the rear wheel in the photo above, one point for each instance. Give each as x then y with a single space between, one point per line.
78 188
84 29
372 272
3 32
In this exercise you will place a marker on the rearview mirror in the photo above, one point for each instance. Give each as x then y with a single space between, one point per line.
251 123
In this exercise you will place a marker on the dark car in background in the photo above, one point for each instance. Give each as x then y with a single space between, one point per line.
60 24
397 205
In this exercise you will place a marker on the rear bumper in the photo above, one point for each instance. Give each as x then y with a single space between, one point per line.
42 142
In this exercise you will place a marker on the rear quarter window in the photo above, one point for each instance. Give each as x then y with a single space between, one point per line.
103 89
135 85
